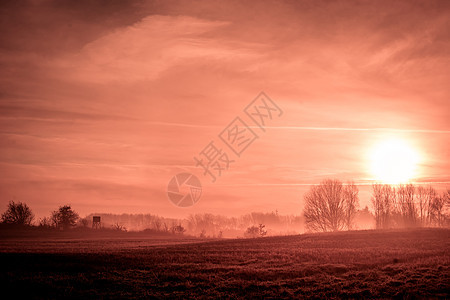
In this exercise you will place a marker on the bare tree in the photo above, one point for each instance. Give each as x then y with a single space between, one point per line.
377 203
437 209
389 200
329 206
432 194
351 203
446 209
447 197
422 200
406 206
383 201
18 214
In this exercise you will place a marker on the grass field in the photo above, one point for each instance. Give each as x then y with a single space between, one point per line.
369 264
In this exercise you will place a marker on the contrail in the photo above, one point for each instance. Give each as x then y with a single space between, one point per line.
312 128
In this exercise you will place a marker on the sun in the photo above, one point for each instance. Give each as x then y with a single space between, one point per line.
394 161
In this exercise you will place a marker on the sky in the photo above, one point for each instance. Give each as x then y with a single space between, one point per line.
103 102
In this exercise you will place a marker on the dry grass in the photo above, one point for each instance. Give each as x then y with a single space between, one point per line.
369 264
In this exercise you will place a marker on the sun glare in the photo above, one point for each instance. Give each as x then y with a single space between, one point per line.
394 162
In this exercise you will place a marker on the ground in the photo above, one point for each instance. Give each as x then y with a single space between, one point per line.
369 264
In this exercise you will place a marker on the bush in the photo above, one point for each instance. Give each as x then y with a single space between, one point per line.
255 231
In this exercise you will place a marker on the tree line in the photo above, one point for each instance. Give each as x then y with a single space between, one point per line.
204 225
329 206
409 206
20 214
207 224
332 206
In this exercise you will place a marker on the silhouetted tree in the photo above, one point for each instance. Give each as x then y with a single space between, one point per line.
330 206
64 217
383 200
436 210
405 206
18 214
446 197
408 206
423 199
351 204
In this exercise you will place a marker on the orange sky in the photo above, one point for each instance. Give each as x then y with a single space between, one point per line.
102 103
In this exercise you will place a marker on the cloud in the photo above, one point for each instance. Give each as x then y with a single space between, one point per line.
150 47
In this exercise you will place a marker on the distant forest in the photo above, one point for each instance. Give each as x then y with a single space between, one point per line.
329 206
